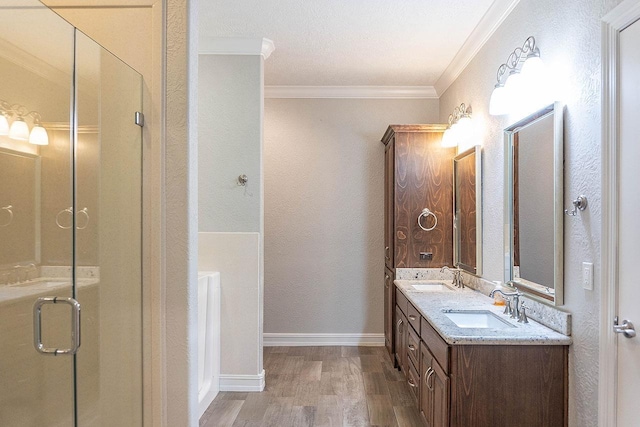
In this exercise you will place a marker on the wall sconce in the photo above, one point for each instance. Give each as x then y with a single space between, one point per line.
460 128
522 82
19 129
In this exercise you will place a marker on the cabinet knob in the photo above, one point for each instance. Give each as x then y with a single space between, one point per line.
412 317
411 383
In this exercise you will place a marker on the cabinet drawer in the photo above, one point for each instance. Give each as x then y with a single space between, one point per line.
413 378
401 301
413 316
413 346
437 346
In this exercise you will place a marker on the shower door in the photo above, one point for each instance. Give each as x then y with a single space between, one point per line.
70 226
108 237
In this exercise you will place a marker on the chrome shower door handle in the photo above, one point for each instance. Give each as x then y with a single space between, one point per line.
37 325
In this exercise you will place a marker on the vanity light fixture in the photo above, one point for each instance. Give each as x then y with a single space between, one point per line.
460 128
522 82
19 129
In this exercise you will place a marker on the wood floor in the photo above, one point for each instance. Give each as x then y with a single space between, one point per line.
321 386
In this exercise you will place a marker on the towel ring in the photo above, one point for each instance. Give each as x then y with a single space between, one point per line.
426 213
70 212
10 212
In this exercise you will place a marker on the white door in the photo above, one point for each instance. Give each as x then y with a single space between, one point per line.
628 360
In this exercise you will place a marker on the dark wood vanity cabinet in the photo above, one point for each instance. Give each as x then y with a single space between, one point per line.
418 175
480 385
434 391
389 304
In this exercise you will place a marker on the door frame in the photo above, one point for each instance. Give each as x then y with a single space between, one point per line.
625 14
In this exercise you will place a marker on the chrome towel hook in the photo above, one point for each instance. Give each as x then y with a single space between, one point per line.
426 212
578 204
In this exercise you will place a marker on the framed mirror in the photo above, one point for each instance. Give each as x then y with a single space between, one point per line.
533 205
467 211
19 204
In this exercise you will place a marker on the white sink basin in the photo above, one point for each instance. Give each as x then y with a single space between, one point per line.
477 319
431 286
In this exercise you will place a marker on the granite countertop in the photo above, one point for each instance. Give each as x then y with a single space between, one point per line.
432 304
50 286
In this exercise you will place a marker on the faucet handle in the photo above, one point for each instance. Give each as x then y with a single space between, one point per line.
522 318
507 306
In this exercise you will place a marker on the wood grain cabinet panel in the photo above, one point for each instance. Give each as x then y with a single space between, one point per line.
418 175
530 381
389 304
400 339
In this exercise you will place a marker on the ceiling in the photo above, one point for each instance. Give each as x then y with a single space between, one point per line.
349 42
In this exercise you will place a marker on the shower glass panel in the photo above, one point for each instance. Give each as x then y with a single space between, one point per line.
36 200
108 188
70 225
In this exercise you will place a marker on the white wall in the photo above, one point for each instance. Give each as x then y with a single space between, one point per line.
229 135
230 216
324 198
568 34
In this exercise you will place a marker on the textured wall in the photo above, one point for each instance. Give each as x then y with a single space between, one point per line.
568 34
229 135
180 205
324 171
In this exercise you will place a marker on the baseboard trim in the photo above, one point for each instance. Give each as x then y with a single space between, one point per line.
293 340
242 382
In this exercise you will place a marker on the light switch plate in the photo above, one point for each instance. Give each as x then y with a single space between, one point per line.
587 275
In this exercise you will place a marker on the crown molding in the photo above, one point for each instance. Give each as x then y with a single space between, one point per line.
496 14
354 92
236 46
31 63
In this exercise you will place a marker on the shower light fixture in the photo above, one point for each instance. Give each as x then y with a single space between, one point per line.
522 84
460 128
19 129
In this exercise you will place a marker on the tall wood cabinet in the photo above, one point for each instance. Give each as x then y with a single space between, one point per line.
418 174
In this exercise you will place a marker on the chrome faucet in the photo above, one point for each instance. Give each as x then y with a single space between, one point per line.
513 300
457 276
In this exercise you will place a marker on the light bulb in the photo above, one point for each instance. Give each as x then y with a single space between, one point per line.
39 136
533 67
464 130
19 130
4 125
498 104
450 139
537 87
447 140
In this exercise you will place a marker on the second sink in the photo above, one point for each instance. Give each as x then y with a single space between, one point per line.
477 319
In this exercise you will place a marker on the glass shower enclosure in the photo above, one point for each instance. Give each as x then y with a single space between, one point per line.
70 226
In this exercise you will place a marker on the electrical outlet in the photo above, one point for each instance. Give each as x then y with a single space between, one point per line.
587 275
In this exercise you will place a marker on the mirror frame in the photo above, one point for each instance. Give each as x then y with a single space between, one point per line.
477 151
534 290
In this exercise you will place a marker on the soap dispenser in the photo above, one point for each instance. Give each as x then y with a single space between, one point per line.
498 298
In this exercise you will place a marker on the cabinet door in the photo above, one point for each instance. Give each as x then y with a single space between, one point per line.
401 339
426 387
389 304
389 179
423 179
440 383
